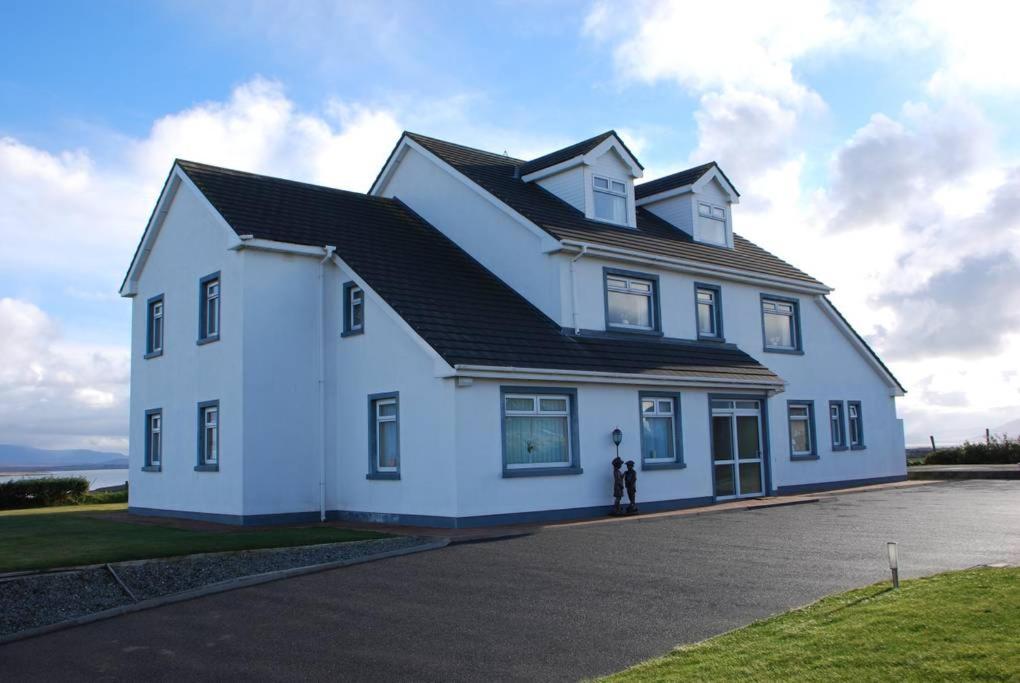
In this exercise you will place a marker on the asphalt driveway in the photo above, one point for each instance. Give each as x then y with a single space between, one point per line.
563 604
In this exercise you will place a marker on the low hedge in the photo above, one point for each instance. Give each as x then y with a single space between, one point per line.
42 492
1000 450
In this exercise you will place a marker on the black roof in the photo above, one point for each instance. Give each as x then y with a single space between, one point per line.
463 311
567 153
678 179
500 176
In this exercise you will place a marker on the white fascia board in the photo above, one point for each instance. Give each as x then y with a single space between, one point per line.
652 198
391 165
174 182
685 266
554 169
715 174
844 327
613 142
588 376
548 242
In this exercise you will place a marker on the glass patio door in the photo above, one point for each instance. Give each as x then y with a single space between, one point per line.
737 451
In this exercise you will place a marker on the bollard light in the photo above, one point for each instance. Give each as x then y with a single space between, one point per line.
894 563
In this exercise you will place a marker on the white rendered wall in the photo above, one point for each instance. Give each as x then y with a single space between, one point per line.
501 244
386 358
829 369
191 244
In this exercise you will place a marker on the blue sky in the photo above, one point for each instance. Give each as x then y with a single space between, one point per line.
870 142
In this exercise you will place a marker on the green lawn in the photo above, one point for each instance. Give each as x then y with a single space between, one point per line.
66 536
949 627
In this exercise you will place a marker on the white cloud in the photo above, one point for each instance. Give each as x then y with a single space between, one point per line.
53 392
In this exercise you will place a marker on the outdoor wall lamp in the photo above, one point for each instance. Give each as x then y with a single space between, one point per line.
617 438
894 564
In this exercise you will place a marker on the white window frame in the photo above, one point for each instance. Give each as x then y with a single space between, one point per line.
806 419
707 210
714 305
658 413
156 326
627 288
355 298
380 420
609 190
212 308
775 305
537 411
853 423
211 425
836 426
155 438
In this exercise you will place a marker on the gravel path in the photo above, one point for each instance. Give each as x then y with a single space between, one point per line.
40 599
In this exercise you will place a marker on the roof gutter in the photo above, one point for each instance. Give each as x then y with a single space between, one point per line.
694 267
498 372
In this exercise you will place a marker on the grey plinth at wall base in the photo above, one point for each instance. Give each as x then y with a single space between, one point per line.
832 485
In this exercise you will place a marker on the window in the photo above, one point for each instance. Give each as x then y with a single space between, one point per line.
610 199
710 211
837 425
354 310
708 300
856 424
153 440
384 436
539 432
660 431
208 436
209 309
781 324
802 429
630 301
154 327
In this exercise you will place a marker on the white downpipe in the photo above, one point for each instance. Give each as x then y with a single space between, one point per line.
573 287
321 366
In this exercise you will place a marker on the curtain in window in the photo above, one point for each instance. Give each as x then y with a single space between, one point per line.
387 444
536 440
657 437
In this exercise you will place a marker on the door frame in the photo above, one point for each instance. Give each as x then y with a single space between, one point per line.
766 456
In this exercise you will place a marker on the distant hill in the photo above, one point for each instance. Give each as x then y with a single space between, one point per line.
25 459
1012 428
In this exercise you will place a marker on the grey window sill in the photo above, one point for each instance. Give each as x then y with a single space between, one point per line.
839 448
624 330
811 456
208 340
540 472
663 465
383 476
152 468
207 468
861 447
352 333
791 352
720 340
153 354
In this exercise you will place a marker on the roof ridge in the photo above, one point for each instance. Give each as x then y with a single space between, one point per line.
249 174
504 157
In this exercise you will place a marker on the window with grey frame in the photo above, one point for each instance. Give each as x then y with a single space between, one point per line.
384 440
855 425
353 309
630 303
660 430
209 434
802 429
537 431
708 300
837 426
153 439
610 198
780 324
209 308
154 327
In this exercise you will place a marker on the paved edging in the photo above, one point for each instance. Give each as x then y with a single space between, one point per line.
219 587
948 472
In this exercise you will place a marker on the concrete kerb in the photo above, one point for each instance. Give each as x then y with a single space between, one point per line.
218 587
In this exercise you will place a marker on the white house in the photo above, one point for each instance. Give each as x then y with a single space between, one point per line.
456 347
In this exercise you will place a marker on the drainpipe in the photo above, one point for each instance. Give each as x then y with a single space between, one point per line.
321 363
573 287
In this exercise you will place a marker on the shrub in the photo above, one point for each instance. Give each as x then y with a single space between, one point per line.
1000 450
42 492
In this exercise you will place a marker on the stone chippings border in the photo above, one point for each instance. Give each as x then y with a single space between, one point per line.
40 602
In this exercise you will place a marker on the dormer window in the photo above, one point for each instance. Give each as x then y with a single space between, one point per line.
610 199
710 211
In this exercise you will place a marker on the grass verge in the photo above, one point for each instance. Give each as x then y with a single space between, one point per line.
66 536
949 627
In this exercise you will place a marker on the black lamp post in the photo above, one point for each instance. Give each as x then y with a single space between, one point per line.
617 438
